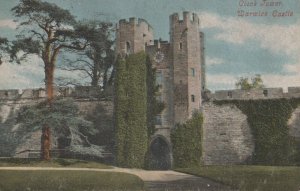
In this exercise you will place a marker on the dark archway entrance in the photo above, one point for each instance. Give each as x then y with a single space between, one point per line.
159 154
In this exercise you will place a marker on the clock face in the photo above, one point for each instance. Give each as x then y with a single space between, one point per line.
158 57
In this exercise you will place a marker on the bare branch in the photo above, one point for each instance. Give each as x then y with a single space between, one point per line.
42 37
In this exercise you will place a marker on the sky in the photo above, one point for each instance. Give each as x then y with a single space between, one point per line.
235 45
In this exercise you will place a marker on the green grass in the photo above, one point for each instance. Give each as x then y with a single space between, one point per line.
72 163
12 180
258 178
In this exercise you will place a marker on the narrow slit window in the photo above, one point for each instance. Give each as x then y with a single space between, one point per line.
193 98
159 79
128 48
193 73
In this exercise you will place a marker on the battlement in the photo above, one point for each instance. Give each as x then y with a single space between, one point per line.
77 92
159 43
187 17
264 93
138 22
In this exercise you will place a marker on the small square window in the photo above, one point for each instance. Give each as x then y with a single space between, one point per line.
158 120
265 92
229 94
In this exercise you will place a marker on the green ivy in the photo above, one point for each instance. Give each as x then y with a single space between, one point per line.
186 140
268 122
154 107
131 111
135 109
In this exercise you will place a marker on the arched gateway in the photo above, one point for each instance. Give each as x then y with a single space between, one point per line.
160 155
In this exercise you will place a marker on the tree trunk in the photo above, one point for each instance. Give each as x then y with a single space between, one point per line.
49 76
95 78
45 143
46 134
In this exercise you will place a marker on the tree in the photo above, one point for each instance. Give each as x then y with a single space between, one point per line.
244 84
97 59
67 126
48 30
3 47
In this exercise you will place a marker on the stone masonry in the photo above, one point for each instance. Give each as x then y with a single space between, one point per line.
227 137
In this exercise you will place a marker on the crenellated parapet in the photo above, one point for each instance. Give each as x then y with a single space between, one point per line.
133 36
263 93
134 22
188 18
76 92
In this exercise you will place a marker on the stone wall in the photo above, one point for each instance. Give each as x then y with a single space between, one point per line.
264 93
76 92
227 137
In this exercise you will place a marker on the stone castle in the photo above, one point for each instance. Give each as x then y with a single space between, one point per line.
180 74
179 64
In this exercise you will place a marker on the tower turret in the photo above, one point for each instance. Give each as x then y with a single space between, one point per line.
132 36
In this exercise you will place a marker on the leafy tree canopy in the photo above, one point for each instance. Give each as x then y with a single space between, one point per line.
38 12
96 62
245 83
62 116
3 47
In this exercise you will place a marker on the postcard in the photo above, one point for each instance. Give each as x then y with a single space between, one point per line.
150 95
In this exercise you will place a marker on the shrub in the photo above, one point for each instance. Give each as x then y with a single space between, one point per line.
186 139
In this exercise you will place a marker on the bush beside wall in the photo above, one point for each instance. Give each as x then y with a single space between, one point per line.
186 140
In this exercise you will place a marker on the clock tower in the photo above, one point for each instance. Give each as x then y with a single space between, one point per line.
179 76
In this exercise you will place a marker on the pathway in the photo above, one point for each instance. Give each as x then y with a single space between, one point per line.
154 180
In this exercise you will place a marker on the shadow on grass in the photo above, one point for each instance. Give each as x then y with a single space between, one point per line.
75 163
62 180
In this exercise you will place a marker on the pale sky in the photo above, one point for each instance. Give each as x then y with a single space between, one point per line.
235 46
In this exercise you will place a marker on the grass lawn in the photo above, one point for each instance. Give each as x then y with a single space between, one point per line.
258 178
74 163
12 180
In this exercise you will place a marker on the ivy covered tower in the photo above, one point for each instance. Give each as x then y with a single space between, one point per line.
179 75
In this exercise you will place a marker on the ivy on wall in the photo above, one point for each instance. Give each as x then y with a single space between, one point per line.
186 140
135 109
268 122
154 107
131 111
